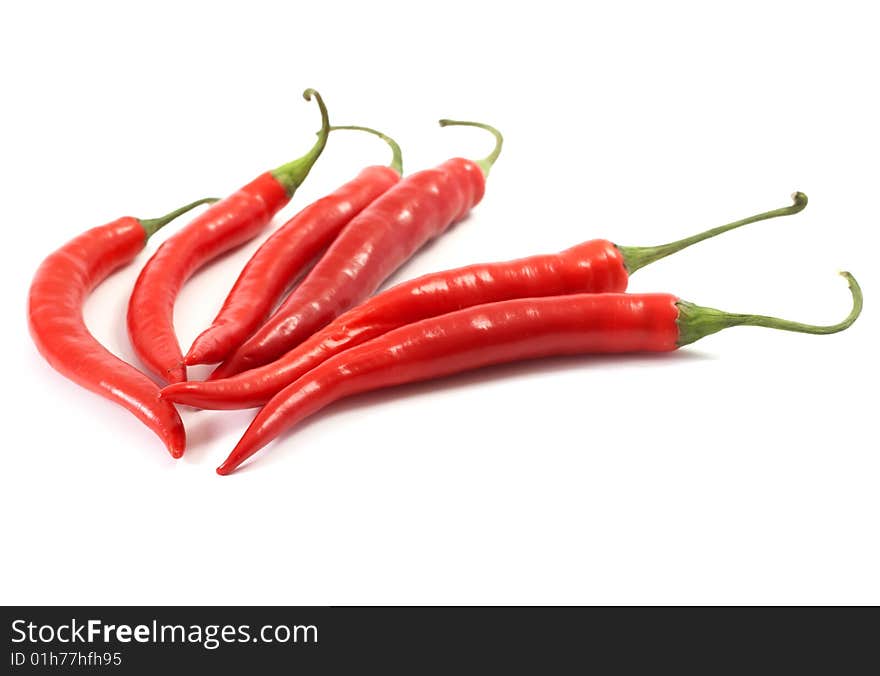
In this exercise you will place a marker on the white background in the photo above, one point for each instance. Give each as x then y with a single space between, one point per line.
742 470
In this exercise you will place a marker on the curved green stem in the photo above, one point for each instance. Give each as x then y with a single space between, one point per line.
636 257
396 154
487 162
695 322
292 174
151 225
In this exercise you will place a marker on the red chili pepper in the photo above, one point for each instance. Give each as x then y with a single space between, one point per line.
62 283
592 267
229 223
513 330
277 263
376 242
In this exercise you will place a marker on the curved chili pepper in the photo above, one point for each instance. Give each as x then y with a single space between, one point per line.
591 267
229 223
373 245
274 267
60 286
495 333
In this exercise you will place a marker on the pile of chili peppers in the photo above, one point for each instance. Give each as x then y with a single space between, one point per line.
331 337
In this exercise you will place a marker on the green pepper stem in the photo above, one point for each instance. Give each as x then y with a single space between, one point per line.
486 163
695 322
396 154
151 225
637 257
292 174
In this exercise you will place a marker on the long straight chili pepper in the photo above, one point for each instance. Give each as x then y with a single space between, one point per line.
229 223
495 333
373 245
591 267
277 263
60 286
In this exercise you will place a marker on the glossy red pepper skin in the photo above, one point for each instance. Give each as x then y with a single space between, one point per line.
60 286
596 266
591 267
275 265
373 245
512 330
227 224
495 333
